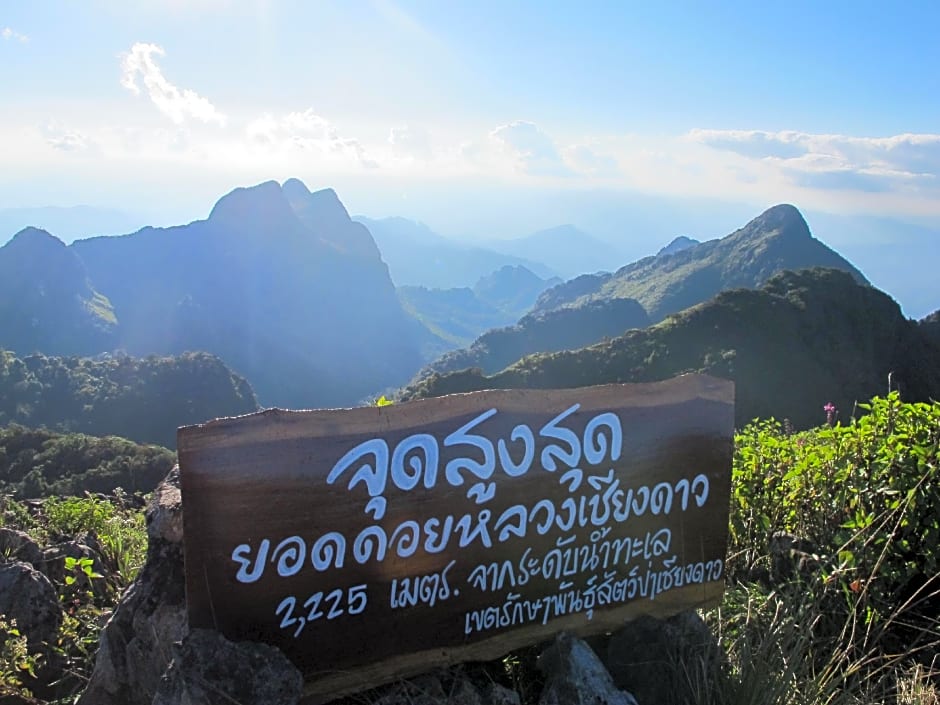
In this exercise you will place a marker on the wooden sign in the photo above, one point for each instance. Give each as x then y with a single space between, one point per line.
374 543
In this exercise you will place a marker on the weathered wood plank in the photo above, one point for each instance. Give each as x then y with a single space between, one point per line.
463 527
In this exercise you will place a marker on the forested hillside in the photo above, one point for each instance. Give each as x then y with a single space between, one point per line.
777 240
143 399
804 340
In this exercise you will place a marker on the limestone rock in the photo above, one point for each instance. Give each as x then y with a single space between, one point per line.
495 694
27 596
135 645
19 546
575 676
791 556
208 669
664 660
53 562
446 687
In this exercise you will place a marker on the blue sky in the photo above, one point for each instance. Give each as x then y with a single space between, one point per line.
473 115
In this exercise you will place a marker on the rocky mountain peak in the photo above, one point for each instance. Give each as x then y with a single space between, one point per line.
784 218
677 245
35 239
263 207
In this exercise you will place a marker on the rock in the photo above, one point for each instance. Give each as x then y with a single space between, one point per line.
136 644
446 687
53 563
575 676
791 556
423 690
208 669
495 694
27 596
664 660
19 546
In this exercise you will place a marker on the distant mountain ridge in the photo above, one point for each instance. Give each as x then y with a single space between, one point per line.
47 302
547 331
777 240
278 281
418 256
513 289
567 249
590 307
677 245
805 339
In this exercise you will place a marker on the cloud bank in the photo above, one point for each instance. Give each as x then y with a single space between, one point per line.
837 162
177 104
8 34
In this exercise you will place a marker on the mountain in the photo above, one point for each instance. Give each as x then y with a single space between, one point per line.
512 289
931 326
68 222
548 331
452 317
417 256
47 301
278 281
677 245
566 249
805 339
778 239
143 399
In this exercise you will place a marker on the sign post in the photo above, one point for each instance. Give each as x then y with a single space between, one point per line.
375 543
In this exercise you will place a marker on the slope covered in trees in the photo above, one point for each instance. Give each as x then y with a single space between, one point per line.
143 399
804 340
40 462
779 239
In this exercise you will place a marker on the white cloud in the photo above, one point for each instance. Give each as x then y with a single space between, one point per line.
410 141
177 104
534 151
588 161
64 139
9 33
306 131
840 162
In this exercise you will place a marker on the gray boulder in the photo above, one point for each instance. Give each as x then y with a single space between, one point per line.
575 676
446 687
208 669
19 546
136 644
27 596
664 661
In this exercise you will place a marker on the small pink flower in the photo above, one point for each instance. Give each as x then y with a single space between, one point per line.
830 410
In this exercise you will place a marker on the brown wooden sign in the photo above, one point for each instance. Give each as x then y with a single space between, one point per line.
374 543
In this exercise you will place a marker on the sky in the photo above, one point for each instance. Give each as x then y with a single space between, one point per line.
483 119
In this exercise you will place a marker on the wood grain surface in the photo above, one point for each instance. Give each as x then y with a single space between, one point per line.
375 543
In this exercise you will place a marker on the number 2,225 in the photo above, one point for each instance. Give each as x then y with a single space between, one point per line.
335 604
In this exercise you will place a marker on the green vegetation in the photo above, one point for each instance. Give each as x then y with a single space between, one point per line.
88 588
144 399
550 331
833 575
776 240
805 339
40 463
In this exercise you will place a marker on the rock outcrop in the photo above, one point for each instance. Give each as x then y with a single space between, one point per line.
135 649
209 669
576 676
28 598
